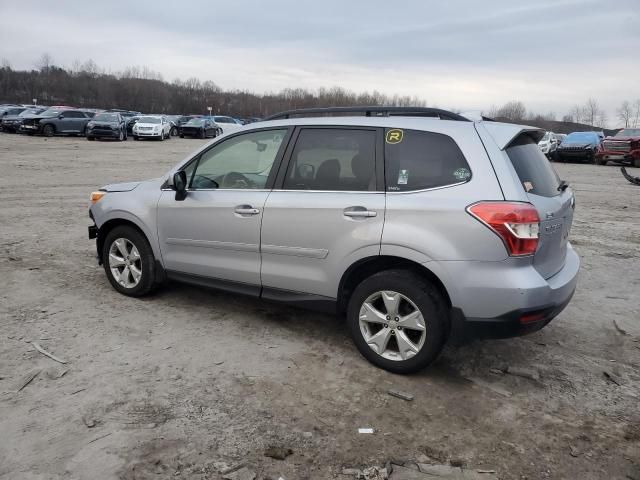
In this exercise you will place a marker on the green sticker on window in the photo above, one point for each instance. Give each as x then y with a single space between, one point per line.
394 136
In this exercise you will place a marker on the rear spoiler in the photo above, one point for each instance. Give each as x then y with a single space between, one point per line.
504 134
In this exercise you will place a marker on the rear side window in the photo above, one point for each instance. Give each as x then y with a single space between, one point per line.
417 160
333 159
534 170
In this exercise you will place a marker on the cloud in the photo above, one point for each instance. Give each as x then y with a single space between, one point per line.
461 53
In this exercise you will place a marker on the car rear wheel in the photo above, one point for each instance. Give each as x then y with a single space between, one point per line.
398 320
174 131
48 130
129 262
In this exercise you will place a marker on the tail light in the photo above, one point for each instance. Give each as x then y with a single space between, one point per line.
516 223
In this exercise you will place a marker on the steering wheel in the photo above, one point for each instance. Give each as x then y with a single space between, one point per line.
235 180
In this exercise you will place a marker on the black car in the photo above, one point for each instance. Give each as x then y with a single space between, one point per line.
107 125
10 111
56 121
200 127
11 123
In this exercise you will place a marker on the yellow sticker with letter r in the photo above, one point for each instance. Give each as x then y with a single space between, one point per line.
394 136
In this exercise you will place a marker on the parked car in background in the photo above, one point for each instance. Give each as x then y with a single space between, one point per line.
56 121
201 128
579 146
11 111
12 123
623 147
560 137
131 121
107 125
382 219
228 124
548 144
152 126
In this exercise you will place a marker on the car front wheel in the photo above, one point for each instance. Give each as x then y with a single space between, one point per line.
397 320
129 262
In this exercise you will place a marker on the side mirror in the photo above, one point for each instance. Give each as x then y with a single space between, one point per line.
60 117
180 185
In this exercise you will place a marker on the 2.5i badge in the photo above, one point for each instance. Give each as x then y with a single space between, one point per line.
394 136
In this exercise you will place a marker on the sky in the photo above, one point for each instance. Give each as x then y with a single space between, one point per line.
461 54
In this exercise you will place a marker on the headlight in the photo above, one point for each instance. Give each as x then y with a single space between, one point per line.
90 125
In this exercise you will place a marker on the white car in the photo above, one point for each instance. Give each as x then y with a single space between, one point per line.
152 126
548 144
228 124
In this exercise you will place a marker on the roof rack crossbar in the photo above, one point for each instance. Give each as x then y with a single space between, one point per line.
373 111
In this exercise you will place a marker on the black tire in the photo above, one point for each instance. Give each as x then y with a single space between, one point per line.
181 136
121 137
203 134
91 139
48 130
636 162
136 138
147 261
428 300
174 131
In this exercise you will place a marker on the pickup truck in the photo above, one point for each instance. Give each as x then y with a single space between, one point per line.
623 147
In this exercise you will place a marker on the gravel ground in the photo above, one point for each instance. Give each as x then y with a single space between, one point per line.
189 382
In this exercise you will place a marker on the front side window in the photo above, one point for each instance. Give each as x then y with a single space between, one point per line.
417 160
332 159
241 162
72 114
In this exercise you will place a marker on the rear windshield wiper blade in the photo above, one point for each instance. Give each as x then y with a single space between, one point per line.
563 185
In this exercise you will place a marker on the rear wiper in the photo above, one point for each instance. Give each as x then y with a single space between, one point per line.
563 185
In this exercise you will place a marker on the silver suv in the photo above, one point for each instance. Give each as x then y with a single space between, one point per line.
418 225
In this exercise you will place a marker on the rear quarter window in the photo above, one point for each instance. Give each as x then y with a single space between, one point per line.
534 170
418 160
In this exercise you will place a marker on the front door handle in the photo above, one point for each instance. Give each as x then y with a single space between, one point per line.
246 210
359 212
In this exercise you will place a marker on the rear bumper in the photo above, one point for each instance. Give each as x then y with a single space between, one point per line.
508 298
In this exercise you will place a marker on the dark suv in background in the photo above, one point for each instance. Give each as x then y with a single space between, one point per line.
11 122
107 125
57 121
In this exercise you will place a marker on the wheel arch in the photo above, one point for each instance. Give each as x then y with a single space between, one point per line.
368 266
108 226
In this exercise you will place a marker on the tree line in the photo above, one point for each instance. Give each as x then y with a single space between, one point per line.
85 85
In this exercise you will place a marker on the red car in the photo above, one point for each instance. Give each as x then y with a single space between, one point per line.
624 147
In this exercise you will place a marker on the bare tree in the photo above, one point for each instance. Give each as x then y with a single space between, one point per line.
601 120
625 113
567 118
636 113
577 112
5 63
514 111
591 111
44 63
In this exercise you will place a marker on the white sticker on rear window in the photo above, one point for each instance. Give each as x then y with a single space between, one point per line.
528 186
461 174
403 177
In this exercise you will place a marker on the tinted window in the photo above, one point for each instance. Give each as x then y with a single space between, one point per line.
415 160
243 161
72 114
332 159
534 170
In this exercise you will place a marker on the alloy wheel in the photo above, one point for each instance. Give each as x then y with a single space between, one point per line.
392 325
125 263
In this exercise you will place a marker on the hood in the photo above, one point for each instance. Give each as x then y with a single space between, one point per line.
140 124
622 139
120 187
577 144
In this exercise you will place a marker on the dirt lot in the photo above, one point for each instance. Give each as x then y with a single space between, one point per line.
190 382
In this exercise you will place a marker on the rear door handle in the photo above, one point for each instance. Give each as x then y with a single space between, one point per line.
359 212
246 210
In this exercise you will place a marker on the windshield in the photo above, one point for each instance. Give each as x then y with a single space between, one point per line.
629 132
149 120
26 113
581 137
106 117
546 137
223 120
195 121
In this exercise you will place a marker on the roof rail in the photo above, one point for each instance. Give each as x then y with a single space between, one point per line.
373 112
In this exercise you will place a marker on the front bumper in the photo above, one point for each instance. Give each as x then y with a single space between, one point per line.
506 299
103 133
618 155
11 126
146 134
29 128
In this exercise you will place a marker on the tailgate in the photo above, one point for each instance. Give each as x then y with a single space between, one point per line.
553 203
